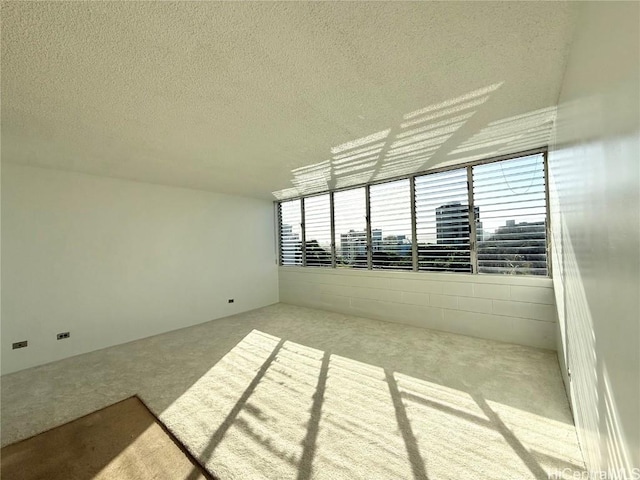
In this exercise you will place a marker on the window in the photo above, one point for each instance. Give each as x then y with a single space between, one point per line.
290 233
511 198
317 224
350 217
489 217
442 222
391 239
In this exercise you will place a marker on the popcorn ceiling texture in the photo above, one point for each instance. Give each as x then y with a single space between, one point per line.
232 97
291 392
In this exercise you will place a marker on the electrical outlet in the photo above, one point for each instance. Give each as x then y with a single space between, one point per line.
231 300
22 344
63 335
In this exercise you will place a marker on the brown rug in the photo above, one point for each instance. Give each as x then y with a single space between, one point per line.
122 441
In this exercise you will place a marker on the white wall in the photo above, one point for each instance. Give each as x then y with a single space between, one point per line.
501 307
595 188
112 261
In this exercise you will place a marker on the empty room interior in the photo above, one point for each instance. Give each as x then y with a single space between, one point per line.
320 240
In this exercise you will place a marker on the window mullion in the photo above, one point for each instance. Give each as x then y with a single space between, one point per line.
549 258
473 237
414 228
278 233
368 220
333 230
303 246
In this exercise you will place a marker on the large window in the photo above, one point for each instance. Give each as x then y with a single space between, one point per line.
489 217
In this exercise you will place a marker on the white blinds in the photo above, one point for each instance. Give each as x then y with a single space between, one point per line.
350 227
391 239
290 217
510 196
442 221
508 217
317 224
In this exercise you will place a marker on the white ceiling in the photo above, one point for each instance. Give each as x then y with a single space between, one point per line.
254 98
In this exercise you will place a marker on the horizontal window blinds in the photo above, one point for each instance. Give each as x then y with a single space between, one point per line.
442 221
317 224
290 216
391 238
350 213
508 216
511 203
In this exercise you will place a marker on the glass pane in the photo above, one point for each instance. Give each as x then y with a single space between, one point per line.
391 225
510 196
442 221
317 231
351 228
290 233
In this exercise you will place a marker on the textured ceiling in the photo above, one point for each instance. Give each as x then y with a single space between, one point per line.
254 98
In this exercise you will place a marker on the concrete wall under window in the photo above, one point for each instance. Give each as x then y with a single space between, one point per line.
502 307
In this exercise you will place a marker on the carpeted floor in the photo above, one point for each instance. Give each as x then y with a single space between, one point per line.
123 441
290 392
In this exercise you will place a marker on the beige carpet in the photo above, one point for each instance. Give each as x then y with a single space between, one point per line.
291 392
123 441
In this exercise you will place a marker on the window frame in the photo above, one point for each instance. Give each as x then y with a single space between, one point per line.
468 166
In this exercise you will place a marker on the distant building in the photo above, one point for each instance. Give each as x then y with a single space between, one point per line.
376 239
286 230
396 243
287 235
291 246
452 223
520 231
353 244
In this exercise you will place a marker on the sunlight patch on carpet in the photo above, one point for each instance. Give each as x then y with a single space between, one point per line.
297 412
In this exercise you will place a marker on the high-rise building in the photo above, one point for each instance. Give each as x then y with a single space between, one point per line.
291 246
452 223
